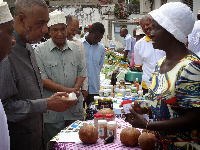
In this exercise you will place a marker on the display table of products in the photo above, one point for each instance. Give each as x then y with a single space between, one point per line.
71 133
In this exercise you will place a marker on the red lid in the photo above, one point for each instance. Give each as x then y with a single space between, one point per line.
126 102
97 115
108 115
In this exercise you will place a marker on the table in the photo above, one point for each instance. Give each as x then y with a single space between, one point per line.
99 145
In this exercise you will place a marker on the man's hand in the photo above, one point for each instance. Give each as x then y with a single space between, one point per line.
75 90
59 104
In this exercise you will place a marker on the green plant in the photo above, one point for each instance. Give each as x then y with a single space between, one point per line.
119 11
134 2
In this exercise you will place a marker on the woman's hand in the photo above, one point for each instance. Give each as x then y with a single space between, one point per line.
136 120
137 108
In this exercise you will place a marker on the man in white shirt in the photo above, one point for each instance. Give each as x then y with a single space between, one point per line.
129 44
145 55
194 37
6 42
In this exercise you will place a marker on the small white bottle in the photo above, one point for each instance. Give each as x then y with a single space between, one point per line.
116 90
111 128
102 129
133 90
128 92
123 91
140 93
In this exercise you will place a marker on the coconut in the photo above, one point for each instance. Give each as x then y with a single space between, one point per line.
129 136
88 134
104 111
147 141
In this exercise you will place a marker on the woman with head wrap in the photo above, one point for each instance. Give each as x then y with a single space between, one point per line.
175 83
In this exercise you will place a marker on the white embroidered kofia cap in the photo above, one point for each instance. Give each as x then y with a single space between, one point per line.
177 18
139 31
5 14
56 17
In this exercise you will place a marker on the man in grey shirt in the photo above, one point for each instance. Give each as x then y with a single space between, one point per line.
72 29
63 69
21 83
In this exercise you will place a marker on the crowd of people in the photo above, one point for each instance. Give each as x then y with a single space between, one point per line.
35 83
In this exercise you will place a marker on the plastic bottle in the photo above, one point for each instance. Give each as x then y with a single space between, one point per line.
126 105
140 93
101 92
116 90
109 92
123 91
105 92
133 89
102 128
136 83
97 117
111 128
128 92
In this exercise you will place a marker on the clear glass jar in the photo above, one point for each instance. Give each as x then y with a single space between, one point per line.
97 117
102 129
112 128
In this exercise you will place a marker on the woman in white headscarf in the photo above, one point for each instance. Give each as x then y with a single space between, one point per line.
175 83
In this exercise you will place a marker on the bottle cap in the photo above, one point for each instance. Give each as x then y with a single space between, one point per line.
126 102
97 115
108 115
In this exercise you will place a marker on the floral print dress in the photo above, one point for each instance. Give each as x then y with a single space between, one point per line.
172 92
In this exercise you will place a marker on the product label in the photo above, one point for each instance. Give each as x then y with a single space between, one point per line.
128 93
106 94
101 131
134 90
110 132
126 108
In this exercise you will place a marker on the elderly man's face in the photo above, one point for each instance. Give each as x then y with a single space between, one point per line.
72 29
35 25
146 26
58 33
7 39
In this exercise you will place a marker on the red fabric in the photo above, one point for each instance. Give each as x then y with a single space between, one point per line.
132 64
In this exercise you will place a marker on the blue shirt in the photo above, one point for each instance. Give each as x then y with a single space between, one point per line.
95 55
129 45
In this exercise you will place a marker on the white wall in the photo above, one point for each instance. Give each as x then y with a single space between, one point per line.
196 7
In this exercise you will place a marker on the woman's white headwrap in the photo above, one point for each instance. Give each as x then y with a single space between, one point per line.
177 18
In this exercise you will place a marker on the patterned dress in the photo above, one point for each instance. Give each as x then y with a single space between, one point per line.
171 93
